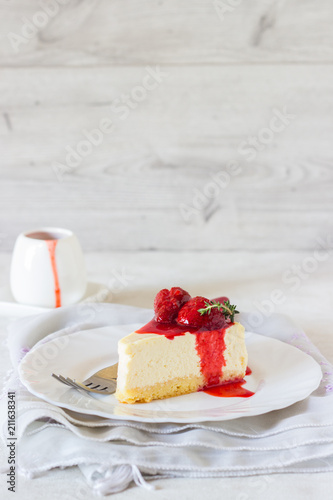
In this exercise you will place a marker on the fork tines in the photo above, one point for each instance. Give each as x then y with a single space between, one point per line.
88 386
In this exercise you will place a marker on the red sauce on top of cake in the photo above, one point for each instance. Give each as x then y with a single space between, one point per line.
210 346
170 330
176 313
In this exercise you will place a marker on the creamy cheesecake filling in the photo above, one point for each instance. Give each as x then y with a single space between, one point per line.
235 354
146 359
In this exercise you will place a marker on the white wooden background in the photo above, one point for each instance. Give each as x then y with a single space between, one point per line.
225 79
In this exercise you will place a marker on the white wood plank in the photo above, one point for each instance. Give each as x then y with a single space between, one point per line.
122 32
229 228
191 117
128 192
214 109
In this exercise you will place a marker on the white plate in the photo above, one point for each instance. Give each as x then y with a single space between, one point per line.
95 292
281 376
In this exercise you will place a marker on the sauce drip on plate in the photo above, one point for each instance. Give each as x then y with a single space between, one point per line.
230 390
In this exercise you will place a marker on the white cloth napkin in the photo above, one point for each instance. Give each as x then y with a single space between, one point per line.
112 453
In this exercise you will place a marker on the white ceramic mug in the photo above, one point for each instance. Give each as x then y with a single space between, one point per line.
48 268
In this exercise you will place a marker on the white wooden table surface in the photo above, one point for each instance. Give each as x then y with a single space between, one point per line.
248 278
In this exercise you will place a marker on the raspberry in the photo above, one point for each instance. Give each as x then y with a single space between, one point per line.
215 320
160 298
180 295
167 304
189 315
167 313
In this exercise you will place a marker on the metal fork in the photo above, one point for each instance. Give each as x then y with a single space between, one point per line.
102 382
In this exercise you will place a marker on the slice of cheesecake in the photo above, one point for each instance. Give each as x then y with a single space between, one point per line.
154 366
185 348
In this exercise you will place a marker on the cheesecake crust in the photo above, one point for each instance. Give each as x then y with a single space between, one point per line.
175 387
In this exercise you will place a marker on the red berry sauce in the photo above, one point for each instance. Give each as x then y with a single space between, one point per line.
230 390
210 346
170 330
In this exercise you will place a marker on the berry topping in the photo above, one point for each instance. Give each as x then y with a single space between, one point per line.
167 313
160 298
189 314
215 320
168 302
180 295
